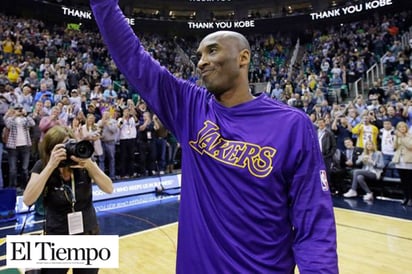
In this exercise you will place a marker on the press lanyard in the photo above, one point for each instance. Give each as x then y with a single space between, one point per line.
73 192
74 219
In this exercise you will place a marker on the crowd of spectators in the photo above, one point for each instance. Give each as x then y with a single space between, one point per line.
322 87
334 58
51 75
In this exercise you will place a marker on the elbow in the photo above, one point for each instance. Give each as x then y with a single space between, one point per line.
107 187
28 202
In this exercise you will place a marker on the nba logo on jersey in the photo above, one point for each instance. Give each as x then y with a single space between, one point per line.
324 180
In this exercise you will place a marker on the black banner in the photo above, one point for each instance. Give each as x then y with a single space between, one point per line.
296 24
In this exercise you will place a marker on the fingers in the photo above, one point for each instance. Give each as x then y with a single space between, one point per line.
81 162
58 153
58 146
59 150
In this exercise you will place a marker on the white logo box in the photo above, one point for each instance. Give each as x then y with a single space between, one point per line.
65 251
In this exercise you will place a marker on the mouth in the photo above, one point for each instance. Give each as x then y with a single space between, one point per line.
205 73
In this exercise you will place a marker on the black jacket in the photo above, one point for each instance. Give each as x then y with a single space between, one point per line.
328 144
357 151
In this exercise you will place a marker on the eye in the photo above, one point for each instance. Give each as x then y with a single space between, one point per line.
212 50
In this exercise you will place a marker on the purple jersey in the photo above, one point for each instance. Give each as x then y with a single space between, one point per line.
255 197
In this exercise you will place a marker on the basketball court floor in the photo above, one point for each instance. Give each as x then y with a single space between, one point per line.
373 237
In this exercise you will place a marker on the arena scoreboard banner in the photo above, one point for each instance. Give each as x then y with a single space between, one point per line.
222 24
351 9
79 18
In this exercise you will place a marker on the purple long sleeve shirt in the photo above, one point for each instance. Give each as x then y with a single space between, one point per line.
254 195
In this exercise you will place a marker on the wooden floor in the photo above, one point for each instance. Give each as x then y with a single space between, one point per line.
367 244
151 251
373 243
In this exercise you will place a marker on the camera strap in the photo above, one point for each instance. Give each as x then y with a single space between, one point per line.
75 219
73 190
67 189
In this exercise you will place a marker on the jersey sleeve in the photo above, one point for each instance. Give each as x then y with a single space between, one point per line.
165 94
312 214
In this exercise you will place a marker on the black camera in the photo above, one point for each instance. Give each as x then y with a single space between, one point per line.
81 149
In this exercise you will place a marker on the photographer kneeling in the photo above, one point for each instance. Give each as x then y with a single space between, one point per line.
64 176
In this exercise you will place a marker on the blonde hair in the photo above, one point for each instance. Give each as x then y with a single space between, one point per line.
401 123
366 150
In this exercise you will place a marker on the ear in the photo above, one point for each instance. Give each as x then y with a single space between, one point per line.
244 58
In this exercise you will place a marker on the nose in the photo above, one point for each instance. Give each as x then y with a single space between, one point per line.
202 62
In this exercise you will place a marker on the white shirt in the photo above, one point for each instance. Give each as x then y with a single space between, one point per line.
321 133
127 128
387 146
367 134
21 132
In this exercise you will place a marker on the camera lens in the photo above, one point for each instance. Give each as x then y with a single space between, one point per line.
84 149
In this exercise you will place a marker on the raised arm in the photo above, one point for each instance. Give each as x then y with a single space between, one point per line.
98 176
125 47
165 94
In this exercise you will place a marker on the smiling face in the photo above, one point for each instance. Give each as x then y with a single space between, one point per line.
348 143
402 127
90 119
370 146
223 61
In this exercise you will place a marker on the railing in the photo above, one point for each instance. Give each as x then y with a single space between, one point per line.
372 74
358 86
404 43
293 59
382 65
406 37
184 57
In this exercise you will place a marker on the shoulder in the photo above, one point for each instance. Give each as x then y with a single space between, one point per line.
267 102
378 154
37 167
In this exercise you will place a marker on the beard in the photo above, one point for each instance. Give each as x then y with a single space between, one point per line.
216 91
217 85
